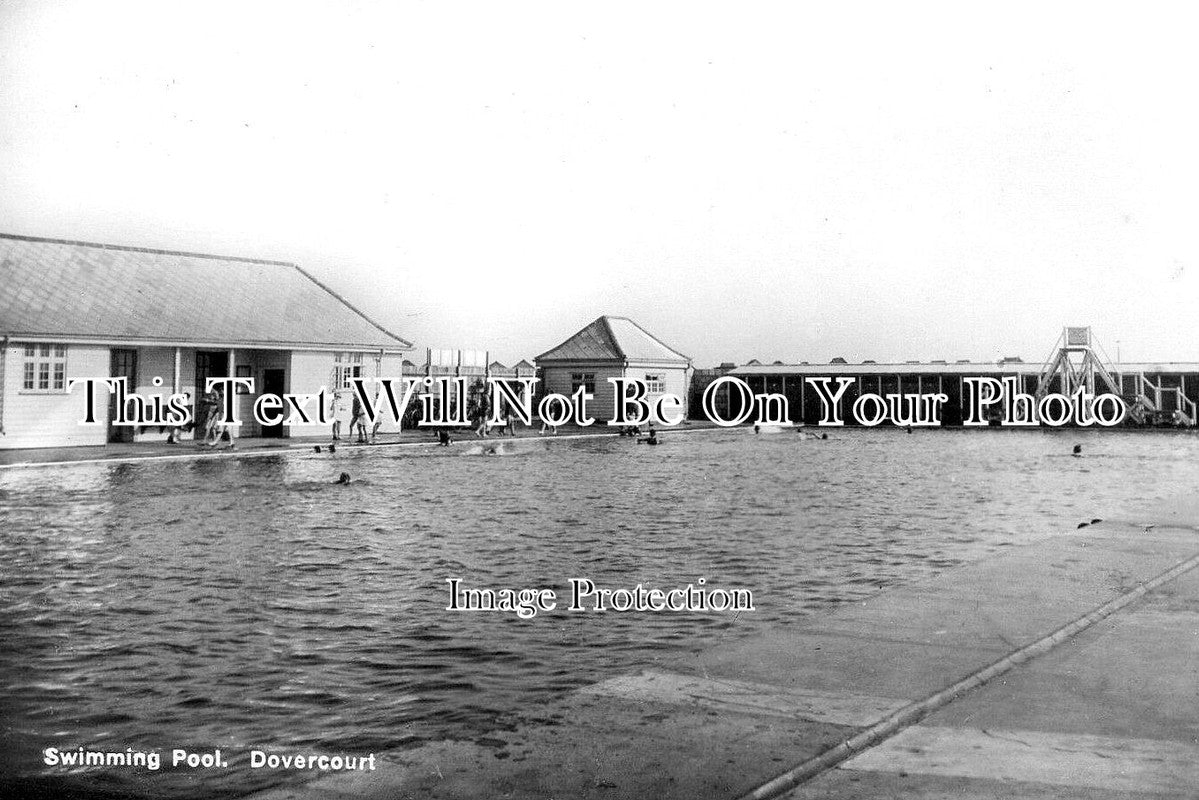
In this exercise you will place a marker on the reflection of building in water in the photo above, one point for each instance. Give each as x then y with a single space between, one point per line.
82 310
1154 393
613 347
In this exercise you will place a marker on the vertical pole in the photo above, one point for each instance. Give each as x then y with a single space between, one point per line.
803 417
175 381
232 363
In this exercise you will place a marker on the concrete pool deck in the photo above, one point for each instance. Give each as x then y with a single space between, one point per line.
123 453
1065 668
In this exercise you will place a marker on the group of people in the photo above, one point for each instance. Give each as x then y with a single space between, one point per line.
358 418
508 426
210 420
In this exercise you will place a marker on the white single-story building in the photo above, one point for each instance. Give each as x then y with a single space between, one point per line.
613 347
83 310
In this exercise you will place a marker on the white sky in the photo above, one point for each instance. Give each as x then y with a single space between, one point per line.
785 181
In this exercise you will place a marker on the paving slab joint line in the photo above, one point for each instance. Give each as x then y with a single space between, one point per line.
911 714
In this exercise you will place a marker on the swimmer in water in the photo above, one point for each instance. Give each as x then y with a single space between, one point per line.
1077 452
343 479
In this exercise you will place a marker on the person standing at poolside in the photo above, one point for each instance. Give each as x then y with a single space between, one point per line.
337 405
220 429
358 420
210 404
378 419
175 433
482 429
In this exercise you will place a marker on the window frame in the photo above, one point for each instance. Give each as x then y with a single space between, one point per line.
346 367
44 361
584 379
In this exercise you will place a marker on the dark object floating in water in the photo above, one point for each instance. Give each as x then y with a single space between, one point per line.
344 478
1077 450
332 449
1096 521
316 448
1083 524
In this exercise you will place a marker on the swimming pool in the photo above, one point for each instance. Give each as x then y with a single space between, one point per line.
247 603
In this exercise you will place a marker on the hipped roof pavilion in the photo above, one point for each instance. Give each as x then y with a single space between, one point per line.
67 291
615 339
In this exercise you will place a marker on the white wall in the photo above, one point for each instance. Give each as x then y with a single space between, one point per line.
39 419
675 379
311 370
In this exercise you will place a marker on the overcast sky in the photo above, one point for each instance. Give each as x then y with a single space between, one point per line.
796 182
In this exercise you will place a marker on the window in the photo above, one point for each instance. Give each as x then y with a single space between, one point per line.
45 367
346 367
655 384
583 379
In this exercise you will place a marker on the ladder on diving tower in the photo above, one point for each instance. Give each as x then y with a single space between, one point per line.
1075 363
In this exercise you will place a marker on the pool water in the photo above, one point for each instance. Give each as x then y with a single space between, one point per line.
249 603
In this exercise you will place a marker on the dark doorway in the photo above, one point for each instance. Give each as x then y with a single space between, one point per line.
273 381
122 363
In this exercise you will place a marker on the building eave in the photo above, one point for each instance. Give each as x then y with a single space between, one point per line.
133 341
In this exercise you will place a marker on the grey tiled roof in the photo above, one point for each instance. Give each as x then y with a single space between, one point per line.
57 289
613 339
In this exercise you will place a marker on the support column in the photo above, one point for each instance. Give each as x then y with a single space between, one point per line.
234 430
802 413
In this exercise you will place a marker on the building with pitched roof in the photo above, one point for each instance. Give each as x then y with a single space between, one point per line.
166 321
612 347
